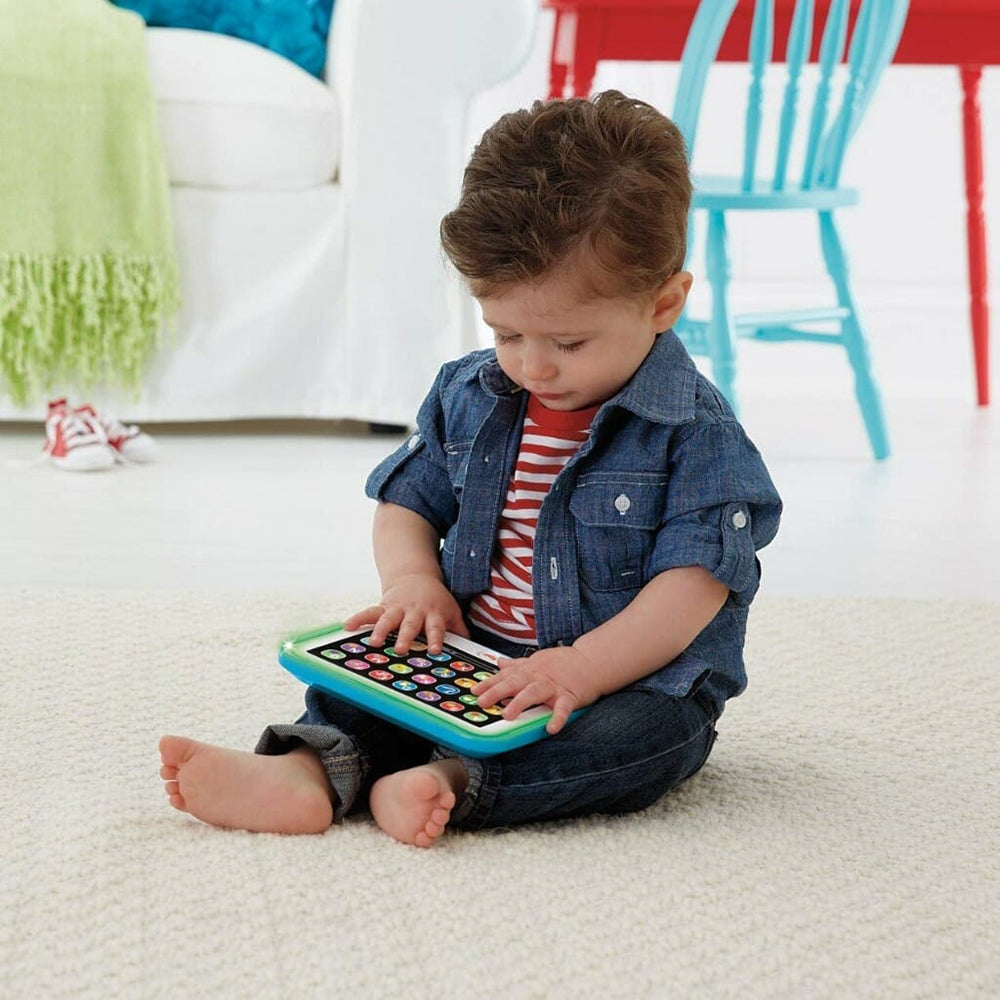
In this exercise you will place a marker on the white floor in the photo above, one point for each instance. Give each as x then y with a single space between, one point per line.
266 507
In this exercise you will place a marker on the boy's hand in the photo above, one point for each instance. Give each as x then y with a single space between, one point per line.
556 677
411 605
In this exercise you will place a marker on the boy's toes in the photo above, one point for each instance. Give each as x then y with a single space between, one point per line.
434 830
447 800
173 788
175 750
422 840
168 772
440 816
177 801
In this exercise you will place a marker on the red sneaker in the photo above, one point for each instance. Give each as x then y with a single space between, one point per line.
73 443
128 443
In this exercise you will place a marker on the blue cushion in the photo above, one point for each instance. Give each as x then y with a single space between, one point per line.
296 29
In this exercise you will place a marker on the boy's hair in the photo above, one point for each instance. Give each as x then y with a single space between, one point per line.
547 183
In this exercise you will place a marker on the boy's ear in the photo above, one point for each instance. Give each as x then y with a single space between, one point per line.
670 299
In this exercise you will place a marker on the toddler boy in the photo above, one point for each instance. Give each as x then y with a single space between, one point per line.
579 498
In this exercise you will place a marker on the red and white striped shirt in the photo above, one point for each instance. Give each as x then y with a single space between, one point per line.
549 439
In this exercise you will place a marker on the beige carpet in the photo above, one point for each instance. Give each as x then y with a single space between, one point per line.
841 842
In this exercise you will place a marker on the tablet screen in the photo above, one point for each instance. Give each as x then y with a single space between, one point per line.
440 681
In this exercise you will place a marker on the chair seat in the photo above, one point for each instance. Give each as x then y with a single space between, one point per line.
723 193
235 116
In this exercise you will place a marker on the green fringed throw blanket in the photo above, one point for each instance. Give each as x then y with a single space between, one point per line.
88 276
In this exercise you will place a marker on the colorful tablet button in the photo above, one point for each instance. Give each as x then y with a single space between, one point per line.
462 667
468 699
440 657
466 682
451 706
443 672
377 658
404 685
424 679
380 675
448 689
369 641
494 710
428 696
332 654
400 668
481 675
356 664
352 647
475 717
418 661
417 646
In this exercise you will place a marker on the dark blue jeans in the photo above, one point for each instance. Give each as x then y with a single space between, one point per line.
622 755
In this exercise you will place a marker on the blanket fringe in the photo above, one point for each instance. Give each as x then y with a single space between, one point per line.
81 319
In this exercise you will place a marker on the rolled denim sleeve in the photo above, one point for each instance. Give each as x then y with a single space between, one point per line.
415 475
721 508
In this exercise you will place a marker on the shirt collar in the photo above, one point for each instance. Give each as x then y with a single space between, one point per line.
662 389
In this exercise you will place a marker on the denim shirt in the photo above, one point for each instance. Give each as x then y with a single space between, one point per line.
666 478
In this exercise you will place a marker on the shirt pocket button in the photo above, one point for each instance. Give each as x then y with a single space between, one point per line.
622 503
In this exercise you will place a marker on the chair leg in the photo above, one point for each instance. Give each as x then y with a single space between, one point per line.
721 333
869 398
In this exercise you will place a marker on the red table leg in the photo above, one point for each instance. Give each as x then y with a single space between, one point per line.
561 58
589 39
976 229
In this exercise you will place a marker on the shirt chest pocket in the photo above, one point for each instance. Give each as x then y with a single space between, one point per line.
616 519
457 456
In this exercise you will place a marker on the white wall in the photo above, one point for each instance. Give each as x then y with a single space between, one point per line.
906 239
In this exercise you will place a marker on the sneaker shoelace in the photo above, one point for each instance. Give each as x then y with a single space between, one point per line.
115 429
77 429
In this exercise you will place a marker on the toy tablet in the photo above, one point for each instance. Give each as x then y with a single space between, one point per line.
428 693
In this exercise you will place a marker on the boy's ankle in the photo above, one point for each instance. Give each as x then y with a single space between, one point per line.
455 774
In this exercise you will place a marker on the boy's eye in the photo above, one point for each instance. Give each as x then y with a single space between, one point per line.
510 338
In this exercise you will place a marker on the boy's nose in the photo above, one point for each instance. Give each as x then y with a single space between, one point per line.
536 366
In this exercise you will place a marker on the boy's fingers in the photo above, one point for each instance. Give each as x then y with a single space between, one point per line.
387 621
408 631
365 617
560 713
531 695
434 630
435 637
497 688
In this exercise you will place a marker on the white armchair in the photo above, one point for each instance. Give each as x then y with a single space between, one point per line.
306 213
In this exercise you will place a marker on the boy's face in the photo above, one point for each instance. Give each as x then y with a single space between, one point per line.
572 352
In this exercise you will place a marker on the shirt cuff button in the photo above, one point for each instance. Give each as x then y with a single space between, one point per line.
739 520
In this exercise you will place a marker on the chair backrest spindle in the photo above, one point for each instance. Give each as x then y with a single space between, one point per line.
761 47
831 50
799 43
873 41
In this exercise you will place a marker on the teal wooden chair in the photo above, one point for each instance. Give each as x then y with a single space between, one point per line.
877 28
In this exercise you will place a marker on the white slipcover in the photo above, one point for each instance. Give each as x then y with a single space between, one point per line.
306 214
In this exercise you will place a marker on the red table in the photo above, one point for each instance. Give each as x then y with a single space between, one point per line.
963 33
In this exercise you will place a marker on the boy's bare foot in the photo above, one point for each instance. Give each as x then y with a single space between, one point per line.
414 805
247 791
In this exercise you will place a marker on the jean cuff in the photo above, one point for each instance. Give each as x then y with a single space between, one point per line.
480 789
345 764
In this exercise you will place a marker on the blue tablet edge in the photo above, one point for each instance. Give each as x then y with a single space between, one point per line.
370 702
